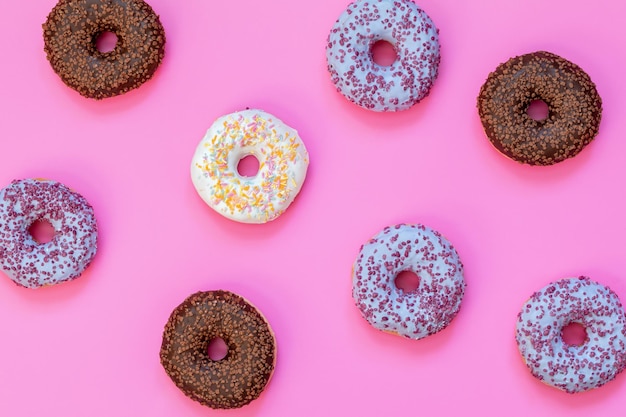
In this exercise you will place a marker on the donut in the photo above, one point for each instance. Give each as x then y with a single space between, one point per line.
383 88
415 314
574 108
242 375
70 33
573 368
283 162
31 264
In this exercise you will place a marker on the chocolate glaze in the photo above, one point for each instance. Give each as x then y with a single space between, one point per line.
575 108
238 378
70 34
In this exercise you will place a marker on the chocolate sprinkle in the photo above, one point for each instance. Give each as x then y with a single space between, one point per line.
238 378
70 34
574 106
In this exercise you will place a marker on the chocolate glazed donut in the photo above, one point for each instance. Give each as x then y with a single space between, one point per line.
574 108
70 34
238 378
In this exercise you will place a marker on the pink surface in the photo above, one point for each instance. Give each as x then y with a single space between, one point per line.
90 347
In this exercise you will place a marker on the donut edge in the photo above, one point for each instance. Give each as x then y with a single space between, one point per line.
179 310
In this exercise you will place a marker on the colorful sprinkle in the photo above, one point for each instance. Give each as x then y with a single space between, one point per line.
283 162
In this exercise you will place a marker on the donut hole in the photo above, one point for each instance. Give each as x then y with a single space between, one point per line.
538 110
407 281
574 334
105 41
41 231
217 349
248 166
383 53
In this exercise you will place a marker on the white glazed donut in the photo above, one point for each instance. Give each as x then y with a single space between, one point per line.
423 251
71 250
283 162
568 367
383 88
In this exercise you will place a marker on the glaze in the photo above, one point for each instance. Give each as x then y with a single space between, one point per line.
383 88
71 250
283 162
423 251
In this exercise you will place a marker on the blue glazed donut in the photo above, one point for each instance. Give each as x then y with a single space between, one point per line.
415 314
383 88
32 264
573 368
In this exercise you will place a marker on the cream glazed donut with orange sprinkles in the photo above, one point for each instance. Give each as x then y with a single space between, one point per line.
415 314
572 368
414 38
32 264
283 162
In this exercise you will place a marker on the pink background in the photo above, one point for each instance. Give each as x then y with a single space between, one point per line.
90 347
